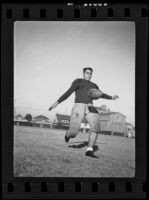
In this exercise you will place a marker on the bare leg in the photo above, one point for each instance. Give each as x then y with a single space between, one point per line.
92 140
94 121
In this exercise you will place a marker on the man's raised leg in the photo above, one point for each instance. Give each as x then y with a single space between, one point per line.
77 115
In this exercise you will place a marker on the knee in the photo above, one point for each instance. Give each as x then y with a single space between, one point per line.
72 134
95 129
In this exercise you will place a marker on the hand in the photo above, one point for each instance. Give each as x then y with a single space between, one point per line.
115 97
53 106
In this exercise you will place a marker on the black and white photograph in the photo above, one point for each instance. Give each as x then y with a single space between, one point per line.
74 99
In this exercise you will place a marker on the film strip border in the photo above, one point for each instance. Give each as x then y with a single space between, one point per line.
38 189
62 12
78 187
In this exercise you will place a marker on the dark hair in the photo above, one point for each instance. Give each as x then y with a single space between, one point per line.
87 68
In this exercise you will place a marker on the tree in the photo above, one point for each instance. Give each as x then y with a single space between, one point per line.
28 117
19 116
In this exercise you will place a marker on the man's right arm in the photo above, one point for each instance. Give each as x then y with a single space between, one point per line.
72 88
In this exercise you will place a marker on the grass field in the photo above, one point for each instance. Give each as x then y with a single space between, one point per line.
43 153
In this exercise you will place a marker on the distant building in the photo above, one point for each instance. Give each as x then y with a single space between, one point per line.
65 119
112 122
41 121
19 120
130 130
61 122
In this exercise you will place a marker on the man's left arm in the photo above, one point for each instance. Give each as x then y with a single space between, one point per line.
106 96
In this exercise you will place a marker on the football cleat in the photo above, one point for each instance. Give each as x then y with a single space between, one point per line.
66 138
91 154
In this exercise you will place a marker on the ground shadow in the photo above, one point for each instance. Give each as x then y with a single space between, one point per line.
76 142
83 144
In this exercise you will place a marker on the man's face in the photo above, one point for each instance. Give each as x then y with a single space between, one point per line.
87 75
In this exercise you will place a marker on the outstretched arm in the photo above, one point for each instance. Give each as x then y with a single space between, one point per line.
72 88
105 96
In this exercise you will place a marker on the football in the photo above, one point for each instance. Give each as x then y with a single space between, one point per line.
94 93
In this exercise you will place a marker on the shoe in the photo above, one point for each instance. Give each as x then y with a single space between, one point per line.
66 138
91 154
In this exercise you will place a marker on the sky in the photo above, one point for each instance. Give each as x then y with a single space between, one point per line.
49 56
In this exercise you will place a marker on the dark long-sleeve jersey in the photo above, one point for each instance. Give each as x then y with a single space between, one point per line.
81 88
